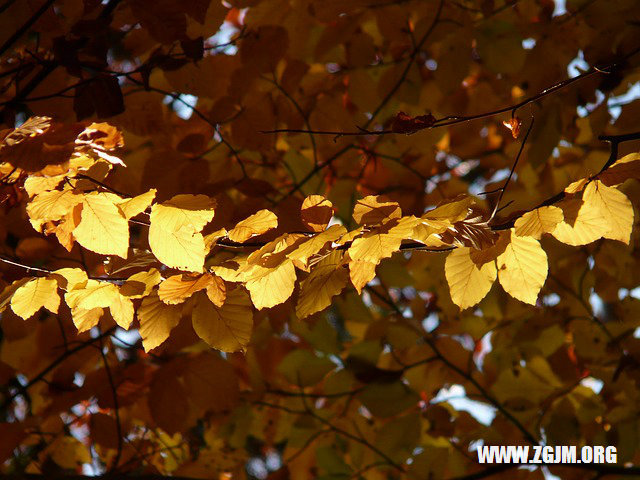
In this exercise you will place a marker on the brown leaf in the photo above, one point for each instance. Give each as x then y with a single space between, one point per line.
403 123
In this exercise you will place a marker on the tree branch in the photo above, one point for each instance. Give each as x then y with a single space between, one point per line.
22 30
453 120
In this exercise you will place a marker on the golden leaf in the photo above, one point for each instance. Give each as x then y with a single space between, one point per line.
217 291
9 290
98 294
361 272
157 319
522 268
468 282
35 294
257 224
174 234
70 278
35 185
615 207
85 320
103 228
327 279
136 205
583 223
227 328
314 244
538 221
450 211
374 209
270 286
140 284
577 186
51 206
65 228
316 212
177 288
383 241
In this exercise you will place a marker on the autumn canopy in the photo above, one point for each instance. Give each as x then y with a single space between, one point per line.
335 239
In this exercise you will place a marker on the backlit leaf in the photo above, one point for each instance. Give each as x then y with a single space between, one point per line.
522 268
34 295
539 221
270 286
157 319
583 223
373 209
468 282
140 284
177 288
326 280
136 205
257 224
96 294
227 328
316 212
174 235
51 206
103 228
615 208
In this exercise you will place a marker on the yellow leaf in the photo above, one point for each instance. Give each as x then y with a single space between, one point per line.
468 282
51 206
35 185
103 228
136 205
65 228
576 186
35 294
157 319
274 251
314 244
217 291
86 319
538 221
177 288
270 286
522 268
9 290
582 224
327 279
316 212
375 209
361 272
350 236
70 278
98 294
382 242
450 211
227 328
257 224
373 247
615 208
211 239
174 234
140 284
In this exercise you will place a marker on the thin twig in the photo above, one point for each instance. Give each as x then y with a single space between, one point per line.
116 407
513 169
